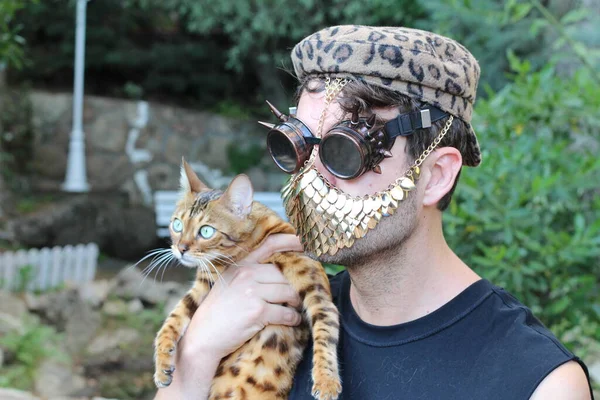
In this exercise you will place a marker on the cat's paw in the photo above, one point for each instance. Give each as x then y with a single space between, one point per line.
164 366
326 387
163 377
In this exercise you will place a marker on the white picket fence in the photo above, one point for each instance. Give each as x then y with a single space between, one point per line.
165 200
48 268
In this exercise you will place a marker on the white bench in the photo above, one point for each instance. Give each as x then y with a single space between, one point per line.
164 205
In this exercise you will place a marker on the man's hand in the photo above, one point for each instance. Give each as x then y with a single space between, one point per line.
244 301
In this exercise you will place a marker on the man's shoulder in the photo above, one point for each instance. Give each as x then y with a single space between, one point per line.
567 382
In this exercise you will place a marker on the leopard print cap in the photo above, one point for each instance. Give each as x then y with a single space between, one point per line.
420 64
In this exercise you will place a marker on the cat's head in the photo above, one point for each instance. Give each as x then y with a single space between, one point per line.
209 227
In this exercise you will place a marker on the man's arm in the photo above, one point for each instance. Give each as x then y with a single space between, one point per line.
567 382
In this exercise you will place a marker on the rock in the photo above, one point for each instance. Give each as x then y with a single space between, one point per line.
69 313
133 232
162 175
115 131
115 308
111 347
215 154
50 161
109 341
12 305
9 323
68 398
105 171
13 394
130 284
121 231
55 378
35 303
95 293
135 306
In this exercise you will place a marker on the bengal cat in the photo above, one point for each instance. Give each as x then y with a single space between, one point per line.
215 230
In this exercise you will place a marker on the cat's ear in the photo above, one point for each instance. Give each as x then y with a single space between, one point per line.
188 180
238 196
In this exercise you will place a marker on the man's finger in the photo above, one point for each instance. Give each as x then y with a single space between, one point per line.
280 315
279 293
260 273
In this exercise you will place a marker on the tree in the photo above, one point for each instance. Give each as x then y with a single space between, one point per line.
262 32
11 44
11 53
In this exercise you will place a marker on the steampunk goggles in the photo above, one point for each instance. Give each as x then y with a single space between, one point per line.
347 150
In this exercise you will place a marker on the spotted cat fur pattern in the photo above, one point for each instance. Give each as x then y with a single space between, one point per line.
263 368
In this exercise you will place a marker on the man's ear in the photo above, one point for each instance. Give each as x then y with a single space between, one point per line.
238 196
189 181
445 164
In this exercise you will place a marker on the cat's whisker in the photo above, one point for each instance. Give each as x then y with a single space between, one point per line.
152 253
241 248
157 262
206 269
155 259
217 271
227 260
165 265
224 257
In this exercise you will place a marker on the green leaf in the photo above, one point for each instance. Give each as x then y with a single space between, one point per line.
576 15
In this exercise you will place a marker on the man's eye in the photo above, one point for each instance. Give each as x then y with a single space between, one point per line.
207 231
177 225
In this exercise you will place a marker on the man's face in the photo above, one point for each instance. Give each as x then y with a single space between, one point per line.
392 230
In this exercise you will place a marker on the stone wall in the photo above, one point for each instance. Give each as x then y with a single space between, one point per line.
136 147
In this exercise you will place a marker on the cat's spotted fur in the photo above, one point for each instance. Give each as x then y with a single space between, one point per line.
262 368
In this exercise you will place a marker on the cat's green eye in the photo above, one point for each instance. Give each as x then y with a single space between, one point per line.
177 225
207 231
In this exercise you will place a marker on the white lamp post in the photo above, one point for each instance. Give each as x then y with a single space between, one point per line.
75 180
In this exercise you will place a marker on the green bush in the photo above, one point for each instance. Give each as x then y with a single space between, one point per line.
30 347
527 219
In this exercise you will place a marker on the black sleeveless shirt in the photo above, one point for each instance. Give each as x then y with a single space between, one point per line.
483 344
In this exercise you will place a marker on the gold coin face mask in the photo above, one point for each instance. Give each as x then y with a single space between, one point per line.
327 219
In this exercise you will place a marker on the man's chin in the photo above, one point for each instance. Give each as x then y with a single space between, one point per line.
343 256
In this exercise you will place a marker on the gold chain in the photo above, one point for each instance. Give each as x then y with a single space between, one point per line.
332 89
431 147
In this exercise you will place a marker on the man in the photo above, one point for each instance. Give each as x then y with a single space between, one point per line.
417 323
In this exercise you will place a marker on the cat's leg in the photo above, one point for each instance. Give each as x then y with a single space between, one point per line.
324 320
309 278
165 344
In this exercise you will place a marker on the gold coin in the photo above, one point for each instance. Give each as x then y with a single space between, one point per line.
377 202
407 184
332 197
397 193
348 206
318 183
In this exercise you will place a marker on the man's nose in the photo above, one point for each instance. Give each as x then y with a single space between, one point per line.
324 171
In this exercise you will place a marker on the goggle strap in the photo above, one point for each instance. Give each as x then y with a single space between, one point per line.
312 140
406 124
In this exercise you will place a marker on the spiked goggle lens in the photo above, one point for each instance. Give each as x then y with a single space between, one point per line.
347 150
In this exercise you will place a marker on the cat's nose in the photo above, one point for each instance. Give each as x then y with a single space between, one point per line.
182 247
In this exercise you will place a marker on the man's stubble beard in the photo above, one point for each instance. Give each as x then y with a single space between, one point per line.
386 238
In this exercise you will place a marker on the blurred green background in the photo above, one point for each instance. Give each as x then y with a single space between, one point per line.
527 218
